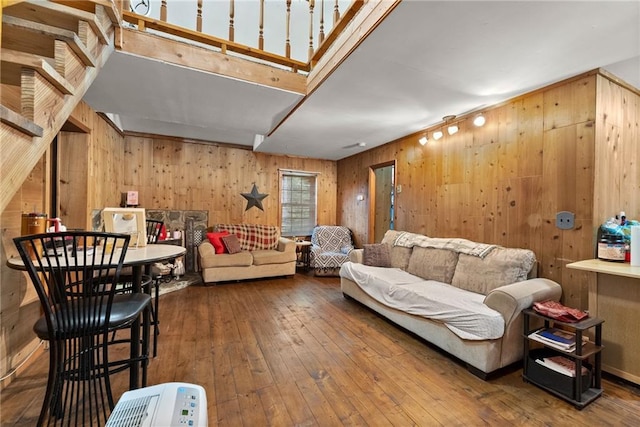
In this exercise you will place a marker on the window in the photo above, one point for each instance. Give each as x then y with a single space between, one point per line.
297 203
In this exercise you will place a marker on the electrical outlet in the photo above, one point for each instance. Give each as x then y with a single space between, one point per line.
565 220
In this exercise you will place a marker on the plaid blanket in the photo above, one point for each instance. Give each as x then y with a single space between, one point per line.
253 236
463 246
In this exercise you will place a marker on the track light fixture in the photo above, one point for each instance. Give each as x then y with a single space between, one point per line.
479 120
451 126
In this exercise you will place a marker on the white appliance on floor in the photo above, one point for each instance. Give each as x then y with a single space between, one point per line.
169 404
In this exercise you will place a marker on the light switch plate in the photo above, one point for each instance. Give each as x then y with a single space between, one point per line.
565 220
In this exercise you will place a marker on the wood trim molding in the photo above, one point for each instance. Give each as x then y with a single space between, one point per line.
189 140
199 58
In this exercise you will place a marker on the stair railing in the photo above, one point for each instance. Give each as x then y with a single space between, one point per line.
270 30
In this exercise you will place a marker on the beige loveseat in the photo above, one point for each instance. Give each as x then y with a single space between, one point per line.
462 296
263 253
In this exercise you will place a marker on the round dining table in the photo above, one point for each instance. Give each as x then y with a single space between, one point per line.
138 258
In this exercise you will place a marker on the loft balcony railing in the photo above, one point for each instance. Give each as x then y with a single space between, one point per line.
290 33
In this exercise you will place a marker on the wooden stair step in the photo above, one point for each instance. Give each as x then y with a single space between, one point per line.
14 61
16 121
93 6
57 15
33 37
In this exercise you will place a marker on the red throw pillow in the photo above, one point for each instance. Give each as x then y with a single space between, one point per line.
216 241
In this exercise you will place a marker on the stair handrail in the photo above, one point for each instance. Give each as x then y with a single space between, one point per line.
317 46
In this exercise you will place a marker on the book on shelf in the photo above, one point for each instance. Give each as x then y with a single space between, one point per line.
562 365
558 335
557 338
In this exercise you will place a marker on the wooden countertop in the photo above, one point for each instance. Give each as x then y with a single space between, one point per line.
607 267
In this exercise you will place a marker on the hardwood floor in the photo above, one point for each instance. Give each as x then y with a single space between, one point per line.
296 352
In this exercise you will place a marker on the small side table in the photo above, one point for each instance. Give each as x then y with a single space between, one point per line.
568 388
303 248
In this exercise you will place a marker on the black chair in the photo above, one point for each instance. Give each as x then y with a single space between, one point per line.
75 276
154 227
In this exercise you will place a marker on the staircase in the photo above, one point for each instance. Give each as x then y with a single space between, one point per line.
51 52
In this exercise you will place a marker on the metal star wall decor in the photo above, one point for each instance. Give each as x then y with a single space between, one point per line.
254 198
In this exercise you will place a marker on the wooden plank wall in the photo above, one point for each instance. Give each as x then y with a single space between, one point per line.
502 183
91 168
19 305
617 177
171 174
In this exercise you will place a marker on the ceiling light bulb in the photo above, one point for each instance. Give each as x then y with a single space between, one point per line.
423 140
479 120
452 129
362 144
437 135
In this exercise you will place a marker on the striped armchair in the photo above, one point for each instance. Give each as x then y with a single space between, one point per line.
330 247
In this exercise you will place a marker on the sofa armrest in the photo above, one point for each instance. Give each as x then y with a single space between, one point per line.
356 255
206 249
510 300
286 245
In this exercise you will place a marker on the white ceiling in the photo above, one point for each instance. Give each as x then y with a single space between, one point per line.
427 59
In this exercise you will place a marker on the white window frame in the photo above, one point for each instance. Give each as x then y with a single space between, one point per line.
305 225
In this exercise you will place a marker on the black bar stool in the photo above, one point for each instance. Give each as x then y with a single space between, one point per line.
75 276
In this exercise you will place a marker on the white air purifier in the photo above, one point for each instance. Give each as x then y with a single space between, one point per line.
169 404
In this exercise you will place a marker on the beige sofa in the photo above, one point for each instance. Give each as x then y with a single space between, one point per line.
464 297
263 254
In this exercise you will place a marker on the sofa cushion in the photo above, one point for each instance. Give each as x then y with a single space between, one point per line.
231 243
390 236
376 255
216 240
433 264
241 259
464 313
253 236
502 266
271 256
399 255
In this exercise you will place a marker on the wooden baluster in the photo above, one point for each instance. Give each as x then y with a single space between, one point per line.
287 43
261 32
321 37
312 4
199 17
163 11
231 14
336 13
